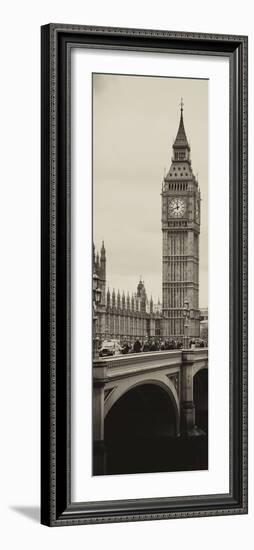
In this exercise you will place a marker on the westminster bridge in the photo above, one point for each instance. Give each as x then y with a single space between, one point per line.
146 394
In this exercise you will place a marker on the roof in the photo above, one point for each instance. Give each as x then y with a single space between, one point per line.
181 138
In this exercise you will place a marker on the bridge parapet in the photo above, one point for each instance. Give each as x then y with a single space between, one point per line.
122 365
194 354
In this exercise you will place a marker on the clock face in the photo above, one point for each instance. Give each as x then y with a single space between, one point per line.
176 207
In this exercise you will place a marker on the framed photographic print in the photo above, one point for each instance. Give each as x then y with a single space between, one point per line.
144 275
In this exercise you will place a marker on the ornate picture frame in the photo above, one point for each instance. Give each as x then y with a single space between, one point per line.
57 507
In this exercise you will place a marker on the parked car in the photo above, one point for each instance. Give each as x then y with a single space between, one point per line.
109 348
199 343
106 351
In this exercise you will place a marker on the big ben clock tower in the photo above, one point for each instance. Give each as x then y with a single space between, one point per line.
180 230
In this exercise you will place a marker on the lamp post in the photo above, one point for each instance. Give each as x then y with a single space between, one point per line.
96 302
186 313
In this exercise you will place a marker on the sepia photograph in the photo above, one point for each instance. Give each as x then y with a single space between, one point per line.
144 401
150 274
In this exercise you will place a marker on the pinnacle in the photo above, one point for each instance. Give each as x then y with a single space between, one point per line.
181 138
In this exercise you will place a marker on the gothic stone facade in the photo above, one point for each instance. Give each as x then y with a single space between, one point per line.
124 317
132 317
180 230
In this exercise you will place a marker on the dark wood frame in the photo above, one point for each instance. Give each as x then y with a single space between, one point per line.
56 506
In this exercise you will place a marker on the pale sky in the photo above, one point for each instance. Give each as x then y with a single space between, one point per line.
135 121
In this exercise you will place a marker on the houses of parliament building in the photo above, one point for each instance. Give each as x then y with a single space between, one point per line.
123 316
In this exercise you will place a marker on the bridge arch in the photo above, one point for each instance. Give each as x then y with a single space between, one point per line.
202 365
163 384
125 385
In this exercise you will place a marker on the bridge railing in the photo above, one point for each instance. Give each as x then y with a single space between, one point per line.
149 360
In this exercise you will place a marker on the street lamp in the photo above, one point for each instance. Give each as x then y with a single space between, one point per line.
96 302
186 314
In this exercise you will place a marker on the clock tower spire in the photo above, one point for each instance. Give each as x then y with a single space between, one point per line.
181 148
180 233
